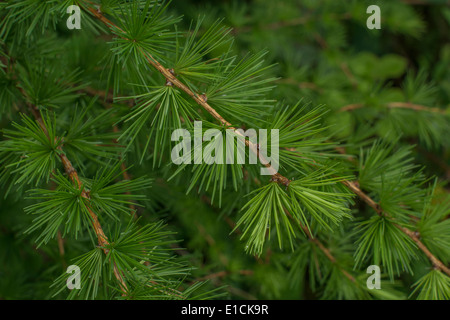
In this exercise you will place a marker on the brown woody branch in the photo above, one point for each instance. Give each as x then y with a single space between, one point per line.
73 175
320 245
326 251
414 235
394 105
412 106
222 274
201 99
273 26
101 237
107 97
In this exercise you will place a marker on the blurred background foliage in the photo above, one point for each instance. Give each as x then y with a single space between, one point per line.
324 53
392 83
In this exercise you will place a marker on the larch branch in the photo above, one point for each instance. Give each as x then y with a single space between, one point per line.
321 246
437 264
200 99
396 105
73 175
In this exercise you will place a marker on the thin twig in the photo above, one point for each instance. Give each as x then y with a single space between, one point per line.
320 245
416 107
222 274
107 98
393 105
327 252
345 68
354 187
201 99
414 235
101 237
273 26
73 175
300 85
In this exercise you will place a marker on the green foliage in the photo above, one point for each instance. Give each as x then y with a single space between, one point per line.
63 206
189 64
300 139
215 171
163 108
92 263
320 195
432 286
434 228
239 92
265 209
49 93
143 27
362 117
387 245
34 150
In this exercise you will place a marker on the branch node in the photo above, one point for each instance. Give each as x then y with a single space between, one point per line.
280 179
204 97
